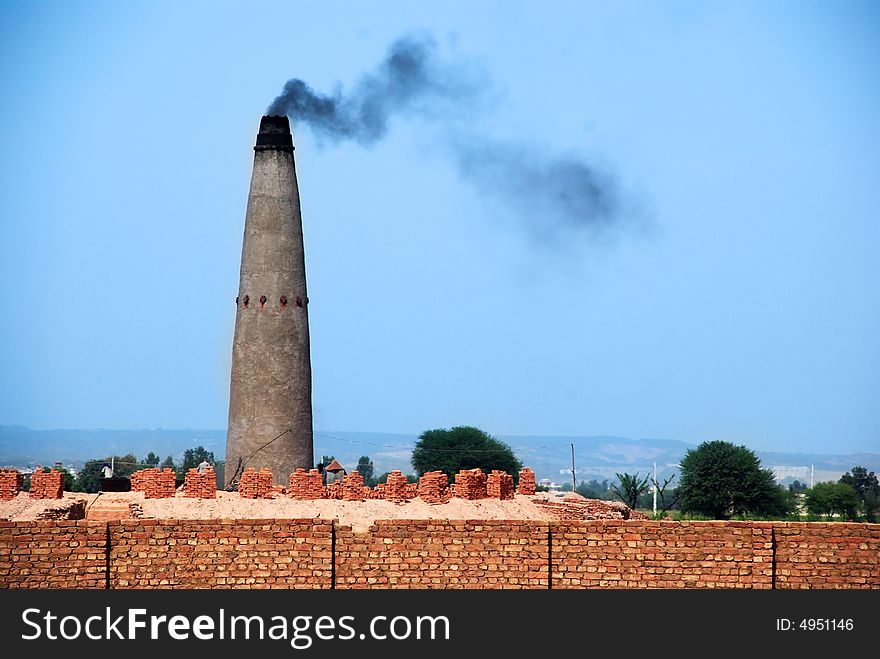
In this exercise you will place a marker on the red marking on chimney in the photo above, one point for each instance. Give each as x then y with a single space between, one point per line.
246 300
299 301
263 299
283 301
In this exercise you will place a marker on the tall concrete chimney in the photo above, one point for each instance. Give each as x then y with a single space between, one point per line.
270 399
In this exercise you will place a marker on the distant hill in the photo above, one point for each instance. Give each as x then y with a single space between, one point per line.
597 457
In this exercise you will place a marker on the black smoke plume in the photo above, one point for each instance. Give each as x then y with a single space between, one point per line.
411 79
556 194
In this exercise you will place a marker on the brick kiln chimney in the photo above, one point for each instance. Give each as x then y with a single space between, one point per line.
270 399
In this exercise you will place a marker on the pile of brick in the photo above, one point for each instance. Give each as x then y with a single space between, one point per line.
332 491
11 481
499 485
255 484
470 484
526 482
47 484
353 487
433 487
155 483
305 485
395 487
200 486
64 509
588 509
377 492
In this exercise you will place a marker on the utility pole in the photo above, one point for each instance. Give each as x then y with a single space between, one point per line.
811 476
654 487
574 482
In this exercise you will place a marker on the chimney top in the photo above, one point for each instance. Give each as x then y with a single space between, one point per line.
274 134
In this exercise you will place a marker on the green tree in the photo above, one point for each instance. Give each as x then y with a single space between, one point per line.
124 465
595 490
192 457
867 489
327 459
365 469
169 464
797 487
630 488
152 460
88 479
462 447
832 499
720 480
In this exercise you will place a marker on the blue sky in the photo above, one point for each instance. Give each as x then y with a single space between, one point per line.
742 305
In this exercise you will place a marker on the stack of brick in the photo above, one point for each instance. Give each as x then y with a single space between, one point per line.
11 482
353 487
526 482
499 485
305 485
588 509
395 487
255 484
200 486
433 487
377 492
411 490
332 491
47 484
470 484
155 483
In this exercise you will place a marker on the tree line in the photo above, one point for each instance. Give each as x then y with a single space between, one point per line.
720 481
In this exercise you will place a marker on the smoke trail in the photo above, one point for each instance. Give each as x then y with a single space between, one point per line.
410 80
557 195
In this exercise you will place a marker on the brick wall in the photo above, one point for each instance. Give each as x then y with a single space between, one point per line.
443 554
827 555
62 554
250 553
626 554
481 554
